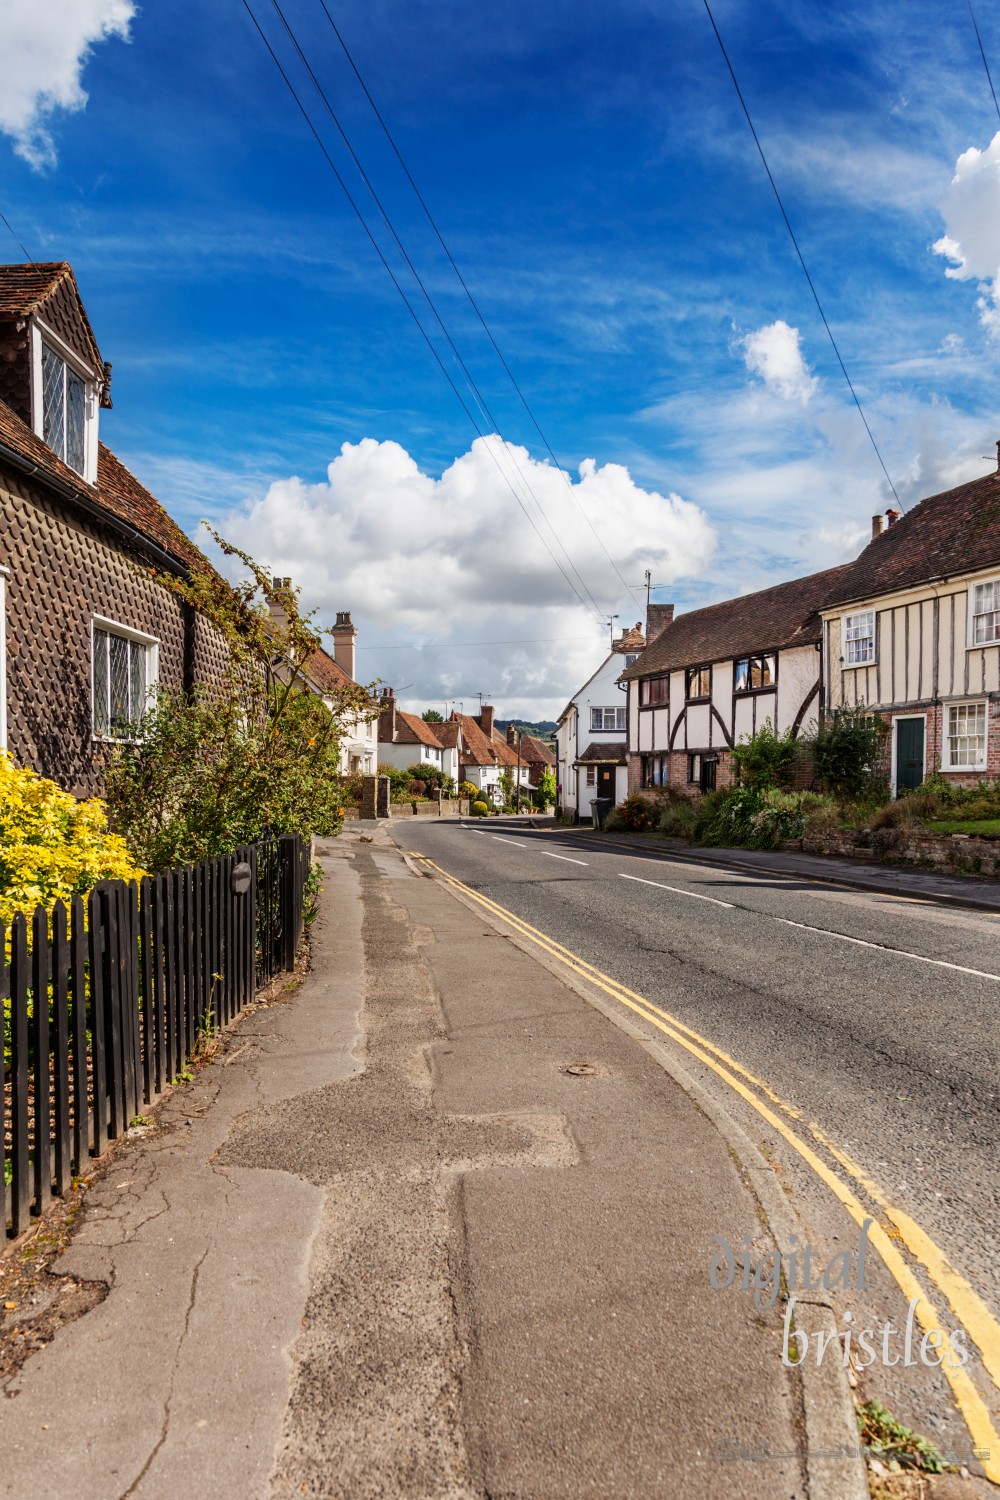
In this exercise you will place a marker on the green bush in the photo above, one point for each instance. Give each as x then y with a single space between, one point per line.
433 777
479 809
766 759
635 815
747 818
678 816
849 754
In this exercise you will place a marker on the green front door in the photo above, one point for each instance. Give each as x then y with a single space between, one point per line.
909 754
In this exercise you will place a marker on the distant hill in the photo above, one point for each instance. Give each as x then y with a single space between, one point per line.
545 729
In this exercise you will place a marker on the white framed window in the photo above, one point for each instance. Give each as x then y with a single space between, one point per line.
964 747
124 669
631 658
64 402
608 718
984 613
591 775
859 638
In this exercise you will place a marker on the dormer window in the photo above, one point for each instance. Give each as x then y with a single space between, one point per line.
64 408
64 403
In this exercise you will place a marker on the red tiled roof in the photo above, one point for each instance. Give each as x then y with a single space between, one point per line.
535 751
117 491
120 492
23 289
477 748
945 535
785 615
630 640
324 673
411 730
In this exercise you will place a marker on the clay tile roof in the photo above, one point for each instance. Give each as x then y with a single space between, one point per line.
535 752
23 289
120 492
477 750
411 730
323 671
785 615
610 754
448 734
630 640
117 490
955 532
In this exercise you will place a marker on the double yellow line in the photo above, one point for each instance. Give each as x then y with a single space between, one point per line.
967 1306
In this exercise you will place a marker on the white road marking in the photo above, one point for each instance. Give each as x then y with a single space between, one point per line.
843 937
501 840
565 857
920 958
677 891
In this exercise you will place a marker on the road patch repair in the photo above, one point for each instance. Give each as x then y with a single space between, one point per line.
441 1229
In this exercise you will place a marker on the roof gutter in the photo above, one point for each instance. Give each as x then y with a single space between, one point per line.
131 534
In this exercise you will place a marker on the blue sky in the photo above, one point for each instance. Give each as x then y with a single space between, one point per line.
594 177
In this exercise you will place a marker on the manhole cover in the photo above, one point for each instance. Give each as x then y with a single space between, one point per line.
580 1070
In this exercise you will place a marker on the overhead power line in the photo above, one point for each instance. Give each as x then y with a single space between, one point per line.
16 240
798 252
982 54
409 307
472 301
473 387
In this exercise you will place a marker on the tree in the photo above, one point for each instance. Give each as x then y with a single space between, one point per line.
431 716
849 753
259 749
547 788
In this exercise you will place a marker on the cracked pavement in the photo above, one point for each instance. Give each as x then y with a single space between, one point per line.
389 1246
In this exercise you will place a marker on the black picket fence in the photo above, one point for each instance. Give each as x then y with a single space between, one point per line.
130 980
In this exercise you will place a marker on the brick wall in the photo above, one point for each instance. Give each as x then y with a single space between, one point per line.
64 568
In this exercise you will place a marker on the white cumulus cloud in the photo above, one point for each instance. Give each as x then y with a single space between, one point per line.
773 353
45 48
971 241
452 561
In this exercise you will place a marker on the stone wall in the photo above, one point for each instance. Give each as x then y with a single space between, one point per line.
963 854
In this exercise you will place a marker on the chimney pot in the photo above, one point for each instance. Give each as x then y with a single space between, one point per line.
658 617
878 526
344 634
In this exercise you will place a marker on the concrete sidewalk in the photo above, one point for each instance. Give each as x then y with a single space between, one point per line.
422 1258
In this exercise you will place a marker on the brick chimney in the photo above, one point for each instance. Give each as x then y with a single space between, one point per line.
344 634
878 526
387 716
511 734
486 721
892 515
658 617
275 609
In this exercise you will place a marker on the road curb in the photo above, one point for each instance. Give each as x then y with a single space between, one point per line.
828 1405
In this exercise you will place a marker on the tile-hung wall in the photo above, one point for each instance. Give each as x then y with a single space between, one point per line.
66 571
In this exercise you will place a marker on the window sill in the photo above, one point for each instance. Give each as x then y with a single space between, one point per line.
705 698
772 687
960 770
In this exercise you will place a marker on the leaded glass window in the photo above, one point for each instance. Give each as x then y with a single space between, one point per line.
121 683
64 409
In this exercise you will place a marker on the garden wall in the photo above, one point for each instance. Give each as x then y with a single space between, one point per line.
962 853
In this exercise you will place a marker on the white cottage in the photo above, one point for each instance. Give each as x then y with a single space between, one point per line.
714 676
590 738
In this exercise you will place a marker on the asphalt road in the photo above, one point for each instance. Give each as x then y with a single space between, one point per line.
873 1017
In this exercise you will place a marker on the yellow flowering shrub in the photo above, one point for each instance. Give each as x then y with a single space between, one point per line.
52 847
